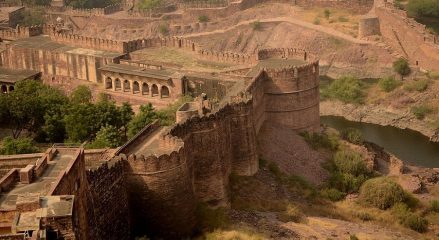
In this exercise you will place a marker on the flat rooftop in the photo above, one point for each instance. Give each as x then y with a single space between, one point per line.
138 71
12 76
40 186
44 42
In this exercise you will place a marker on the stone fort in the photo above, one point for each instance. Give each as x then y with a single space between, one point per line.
153 183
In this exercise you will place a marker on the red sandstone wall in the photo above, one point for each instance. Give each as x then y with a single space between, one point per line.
107 202
408 37
292 97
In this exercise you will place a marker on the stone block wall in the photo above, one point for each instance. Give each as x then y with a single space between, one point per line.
9 180
292 97
107 202
20 32
283 53
356 6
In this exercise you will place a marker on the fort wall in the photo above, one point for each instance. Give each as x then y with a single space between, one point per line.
20 32
408 37
107 202
9 179
292 97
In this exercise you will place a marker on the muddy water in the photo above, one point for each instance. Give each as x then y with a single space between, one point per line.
408 145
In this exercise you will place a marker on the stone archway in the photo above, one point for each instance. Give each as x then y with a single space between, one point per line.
4 89
154 90
164 92
126 86
108 83
145 89
136 87
11 88
117 84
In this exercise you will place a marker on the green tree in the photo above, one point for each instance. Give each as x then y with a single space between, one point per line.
347 89
107 136
82 94
423 8
401 66
148 4
80 122
327 13
126 114
17 146
146 115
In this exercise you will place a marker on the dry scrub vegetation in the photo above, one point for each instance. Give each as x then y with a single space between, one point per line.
272 200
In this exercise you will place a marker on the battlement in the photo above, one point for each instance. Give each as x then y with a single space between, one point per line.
283 53
89 42
293 71
117 165
21 32
228 57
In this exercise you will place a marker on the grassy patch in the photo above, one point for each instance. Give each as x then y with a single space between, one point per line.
421 111
352 135
210 219
389 84
316 140
256 25
382 193
417 85
292 213
167 115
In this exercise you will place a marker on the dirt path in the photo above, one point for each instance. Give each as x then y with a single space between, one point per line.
298 22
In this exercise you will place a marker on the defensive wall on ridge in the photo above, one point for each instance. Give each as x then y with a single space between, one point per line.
410 38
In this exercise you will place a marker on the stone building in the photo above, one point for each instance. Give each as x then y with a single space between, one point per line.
9 77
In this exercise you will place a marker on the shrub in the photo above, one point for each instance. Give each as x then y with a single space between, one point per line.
332 194
291 214
273 168
316 141
327 13
352 135
421 111
203 18
401 66
163 29
409 219
316 21
347 89
17 146
381 192
388 84
256 25
434 206
419 85
346 182
423 8
433 75
343 19
353 237
211 218
350 162
415 222
364 216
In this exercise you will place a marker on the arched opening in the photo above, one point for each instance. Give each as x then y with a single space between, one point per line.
154 90
193 46
11 88
126 86
145 89
136 87
108 83
179 43
165 92
4 89
117 84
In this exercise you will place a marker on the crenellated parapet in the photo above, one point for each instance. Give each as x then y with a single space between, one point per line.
21 32
283 53
90 42
228 57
